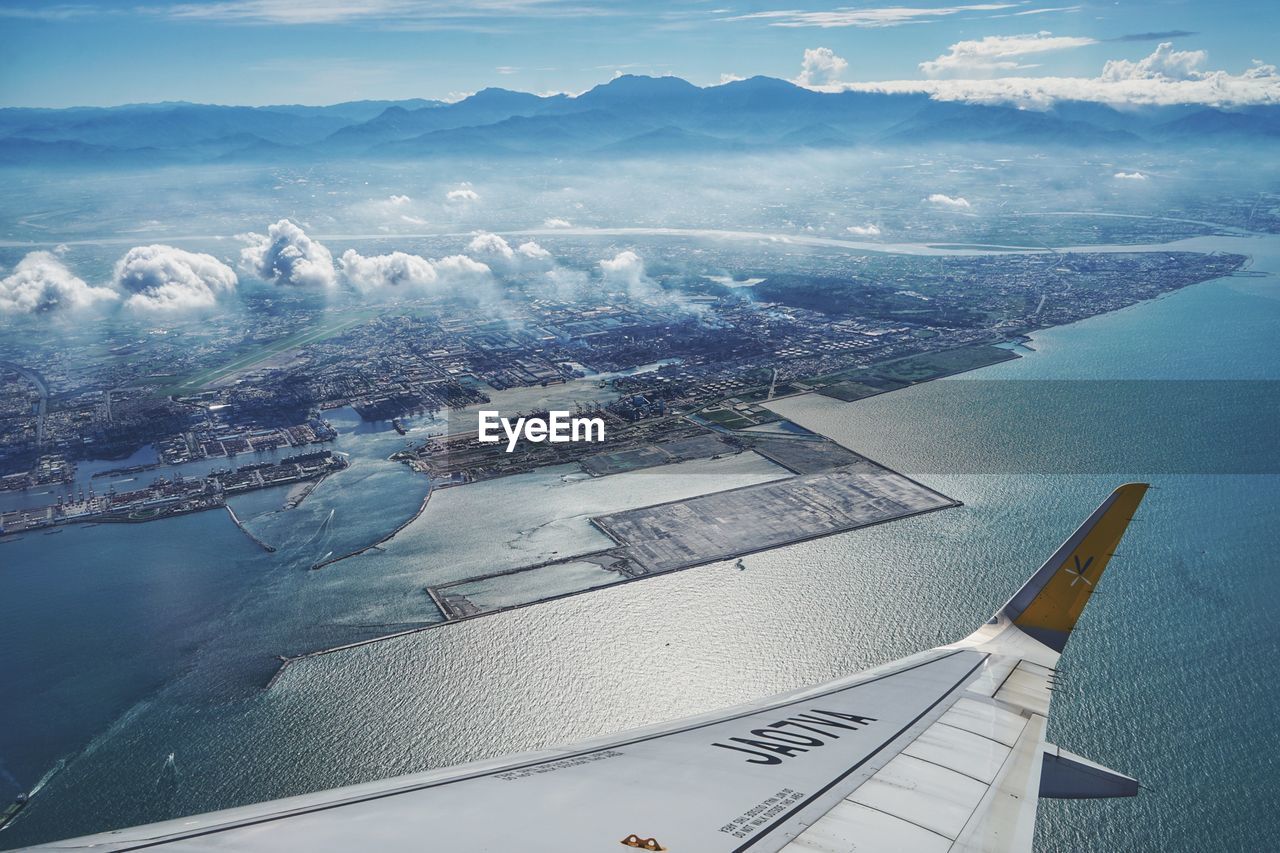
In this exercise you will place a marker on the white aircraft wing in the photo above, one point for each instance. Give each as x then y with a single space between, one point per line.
942 751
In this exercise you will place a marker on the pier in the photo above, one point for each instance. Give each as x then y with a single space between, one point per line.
270 549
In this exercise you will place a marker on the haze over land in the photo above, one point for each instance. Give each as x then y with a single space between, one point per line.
635 116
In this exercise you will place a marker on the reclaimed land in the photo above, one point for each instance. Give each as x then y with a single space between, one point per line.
727 525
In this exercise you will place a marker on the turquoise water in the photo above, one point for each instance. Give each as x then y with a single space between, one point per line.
137 642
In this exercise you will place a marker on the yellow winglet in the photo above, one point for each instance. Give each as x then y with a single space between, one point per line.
1049 604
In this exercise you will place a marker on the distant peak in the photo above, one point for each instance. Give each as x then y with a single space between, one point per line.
762 82
643 83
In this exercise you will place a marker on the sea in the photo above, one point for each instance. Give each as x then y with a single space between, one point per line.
128 643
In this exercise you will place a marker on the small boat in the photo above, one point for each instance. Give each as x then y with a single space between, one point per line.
11 811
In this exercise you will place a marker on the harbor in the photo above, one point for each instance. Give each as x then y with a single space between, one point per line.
165 498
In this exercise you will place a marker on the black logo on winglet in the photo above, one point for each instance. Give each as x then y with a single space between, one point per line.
1080 569
776 741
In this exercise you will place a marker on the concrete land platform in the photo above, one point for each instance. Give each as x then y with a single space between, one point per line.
724 525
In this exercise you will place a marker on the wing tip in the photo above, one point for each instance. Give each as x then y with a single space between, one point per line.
1047 606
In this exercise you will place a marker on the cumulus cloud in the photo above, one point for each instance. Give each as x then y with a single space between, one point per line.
397 269
1130 176
485 243
455 268
497 252
1164 63
42 283
868 230
463 193
1166 77
998 53
625 270
286 255
455 275
947 202
820 67
163 278
556 222
398 199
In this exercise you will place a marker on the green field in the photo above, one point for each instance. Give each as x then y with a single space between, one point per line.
327 328
932 365
857 384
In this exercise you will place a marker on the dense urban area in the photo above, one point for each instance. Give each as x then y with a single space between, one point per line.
711 348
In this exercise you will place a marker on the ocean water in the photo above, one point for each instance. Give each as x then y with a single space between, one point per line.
1172 675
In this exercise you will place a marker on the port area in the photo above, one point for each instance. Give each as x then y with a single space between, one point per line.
165 497
832 490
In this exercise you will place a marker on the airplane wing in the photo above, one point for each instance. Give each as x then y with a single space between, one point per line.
941 751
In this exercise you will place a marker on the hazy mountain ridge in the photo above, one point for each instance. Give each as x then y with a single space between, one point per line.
629 116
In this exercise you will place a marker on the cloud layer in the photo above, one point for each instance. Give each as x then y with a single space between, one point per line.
41 283
1166 77
998 53
889 16
286 255
162 278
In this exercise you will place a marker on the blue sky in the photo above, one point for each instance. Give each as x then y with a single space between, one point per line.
324 51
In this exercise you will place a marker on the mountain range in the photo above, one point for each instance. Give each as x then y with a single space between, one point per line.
630 116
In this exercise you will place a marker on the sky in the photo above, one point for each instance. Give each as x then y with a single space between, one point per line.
254 52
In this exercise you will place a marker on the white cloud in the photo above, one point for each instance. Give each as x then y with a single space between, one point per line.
949 203
625 270
286 255
163 278
411 272
1164 63
398 200
729 78
533 252
556 222
461 269
397 269
1130 176
820 67
998 53
492 245
1153 80
463 193
391 14
890 16
868 230
497 252
42 283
